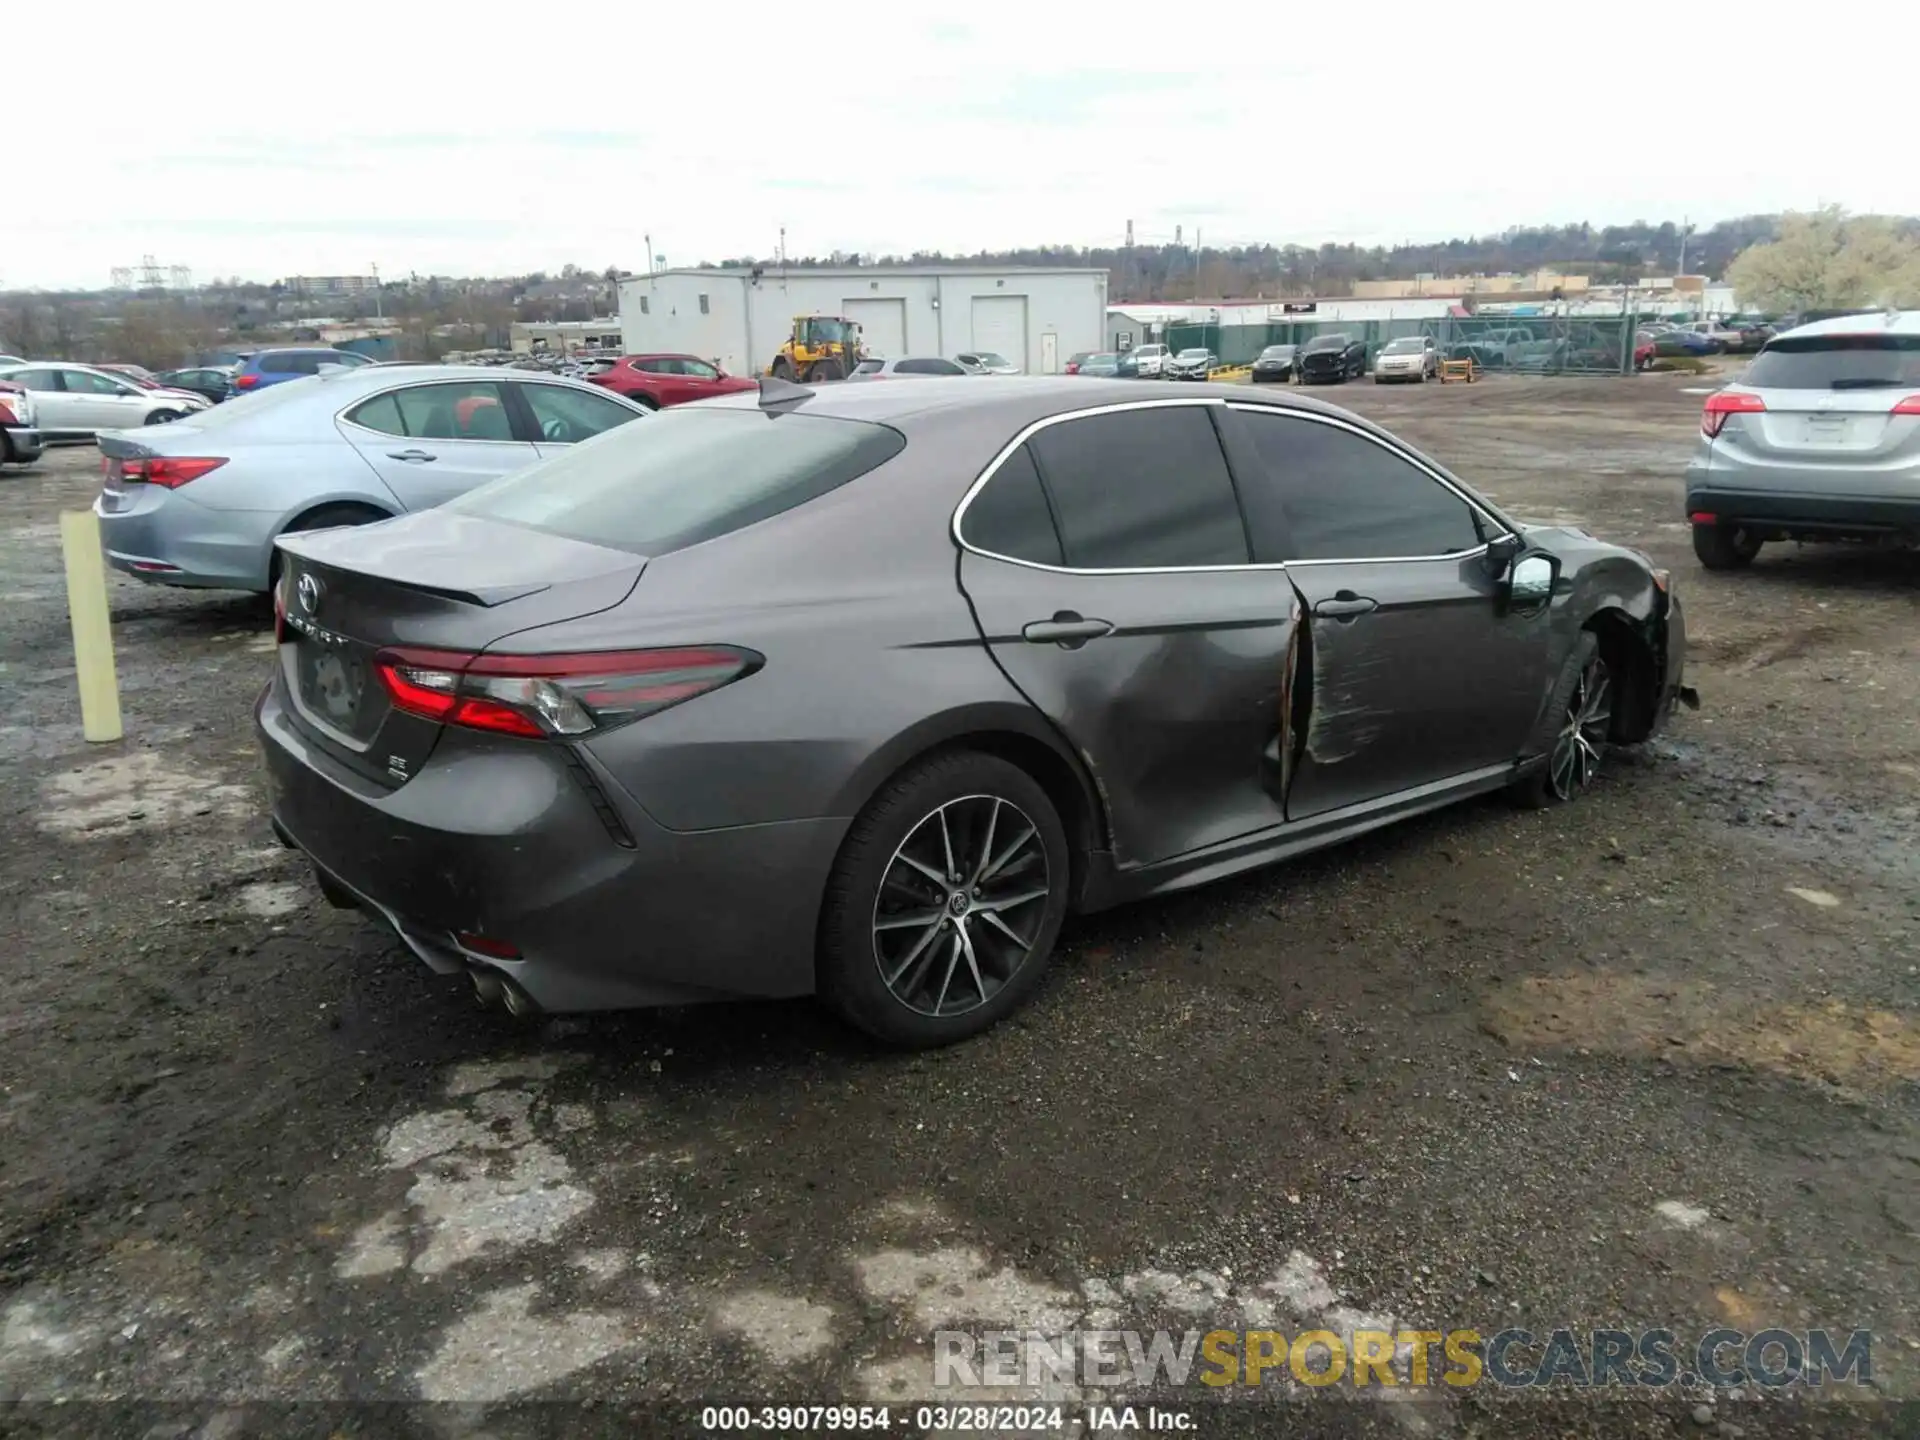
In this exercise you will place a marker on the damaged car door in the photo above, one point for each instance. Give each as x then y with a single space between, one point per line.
1415 667
1107 565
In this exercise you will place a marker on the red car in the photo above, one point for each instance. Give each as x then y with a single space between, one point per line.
658 380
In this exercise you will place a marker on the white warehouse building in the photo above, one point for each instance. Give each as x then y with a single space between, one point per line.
1036 317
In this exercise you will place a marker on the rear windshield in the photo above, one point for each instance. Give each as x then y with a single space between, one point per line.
683 476
869 367
1329 342
1837 362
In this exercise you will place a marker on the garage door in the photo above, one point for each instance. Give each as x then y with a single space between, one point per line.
1000 323
883 325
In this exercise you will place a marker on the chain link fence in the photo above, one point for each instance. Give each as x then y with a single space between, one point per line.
1528 344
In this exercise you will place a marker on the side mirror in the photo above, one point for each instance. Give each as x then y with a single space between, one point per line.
1531 582
1500 552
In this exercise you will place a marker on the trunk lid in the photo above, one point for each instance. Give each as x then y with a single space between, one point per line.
429 581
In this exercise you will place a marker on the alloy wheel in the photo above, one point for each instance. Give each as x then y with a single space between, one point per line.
960 905
1583 734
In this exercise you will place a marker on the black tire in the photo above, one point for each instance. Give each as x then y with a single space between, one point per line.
163 417
781 369
7 457
822 371
645 402
982 794
1573 694
1725 547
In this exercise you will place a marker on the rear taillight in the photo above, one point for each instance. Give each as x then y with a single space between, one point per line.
169 471
1908 406
1072 369
541 695
1720 405
245 382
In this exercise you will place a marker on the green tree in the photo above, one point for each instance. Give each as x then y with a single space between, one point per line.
1827 260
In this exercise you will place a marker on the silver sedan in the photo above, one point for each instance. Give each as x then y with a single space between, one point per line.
199 502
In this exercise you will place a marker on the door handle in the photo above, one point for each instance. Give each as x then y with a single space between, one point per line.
412 457
1345 605
1067 628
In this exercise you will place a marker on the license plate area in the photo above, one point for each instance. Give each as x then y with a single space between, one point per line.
333 683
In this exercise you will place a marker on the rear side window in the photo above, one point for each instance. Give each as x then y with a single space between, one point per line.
1141 489
288 362
928 367
684 477
464 411
1010 517
1837 362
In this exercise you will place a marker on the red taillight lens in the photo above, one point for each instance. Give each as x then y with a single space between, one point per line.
170 471
1908 406
539 695
1724 403
245 382
1072 369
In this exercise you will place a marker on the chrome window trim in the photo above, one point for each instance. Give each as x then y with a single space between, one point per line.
340 415
1027 433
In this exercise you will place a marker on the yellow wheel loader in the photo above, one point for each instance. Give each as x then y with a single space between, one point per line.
822 347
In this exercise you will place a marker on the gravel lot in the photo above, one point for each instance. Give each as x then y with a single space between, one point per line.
1650 1060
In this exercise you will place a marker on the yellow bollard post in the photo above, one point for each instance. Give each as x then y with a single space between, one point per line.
92 625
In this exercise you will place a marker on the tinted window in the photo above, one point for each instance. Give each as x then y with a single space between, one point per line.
565 416
699 370
1329 494
1141 489
928 367
470 410
685 476
287 362
1010 517
1837 362
658 365
84 382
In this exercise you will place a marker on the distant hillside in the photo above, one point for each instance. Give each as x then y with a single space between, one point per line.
1174 272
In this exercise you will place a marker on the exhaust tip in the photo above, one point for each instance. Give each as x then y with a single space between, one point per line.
489 989
520 1005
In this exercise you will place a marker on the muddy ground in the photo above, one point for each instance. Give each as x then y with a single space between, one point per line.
1648 1061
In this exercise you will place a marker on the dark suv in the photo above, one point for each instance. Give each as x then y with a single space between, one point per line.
271 367
1332 359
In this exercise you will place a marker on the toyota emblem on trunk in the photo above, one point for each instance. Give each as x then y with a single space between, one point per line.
309 592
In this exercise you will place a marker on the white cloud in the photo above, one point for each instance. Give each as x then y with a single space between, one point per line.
444 137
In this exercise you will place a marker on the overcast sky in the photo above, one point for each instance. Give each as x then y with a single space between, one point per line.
470 138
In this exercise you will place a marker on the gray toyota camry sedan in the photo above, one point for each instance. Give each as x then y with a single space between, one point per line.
862 691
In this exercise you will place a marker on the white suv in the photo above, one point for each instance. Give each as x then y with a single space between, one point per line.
75 402
1150 361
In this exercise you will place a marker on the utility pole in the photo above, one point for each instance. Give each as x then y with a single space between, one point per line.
375 268
1684 229
649 240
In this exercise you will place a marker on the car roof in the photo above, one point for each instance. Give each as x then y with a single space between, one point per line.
1887 322
376 377
655 355
1007 400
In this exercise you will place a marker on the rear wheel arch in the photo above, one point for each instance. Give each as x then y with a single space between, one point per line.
319 517
1018 741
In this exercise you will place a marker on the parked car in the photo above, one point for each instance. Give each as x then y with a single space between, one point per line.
1818 440
1194 364
1098 365
20 442
1645 347
1330 359
1275 363
212 382
1721 337
907 367
1410 357
1677 341
863 691
1495 349
657 381
75 402
275 367
1752 334
1149 362
6 360
986 362
199 503
1077 359
139 374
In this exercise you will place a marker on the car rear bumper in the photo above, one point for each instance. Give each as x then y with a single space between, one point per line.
163 537
1807 512
511 839
24 443
1272 372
